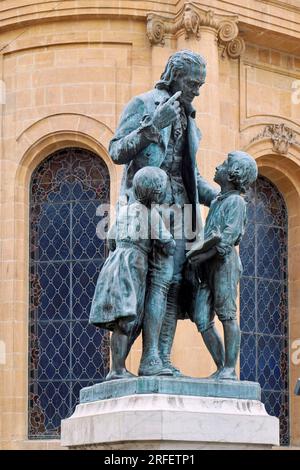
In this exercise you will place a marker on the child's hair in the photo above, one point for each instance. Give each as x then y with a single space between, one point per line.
148 182
242 170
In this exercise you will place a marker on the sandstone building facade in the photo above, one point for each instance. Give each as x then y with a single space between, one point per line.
67 70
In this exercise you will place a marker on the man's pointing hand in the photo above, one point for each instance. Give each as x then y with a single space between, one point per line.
166 113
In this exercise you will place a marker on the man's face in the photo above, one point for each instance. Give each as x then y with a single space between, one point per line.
189 83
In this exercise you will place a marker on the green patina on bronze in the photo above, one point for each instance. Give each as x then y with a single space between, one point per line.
148 283
171 385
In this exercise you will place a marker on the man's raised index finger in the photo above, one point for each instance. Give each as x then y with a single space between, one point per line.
174 97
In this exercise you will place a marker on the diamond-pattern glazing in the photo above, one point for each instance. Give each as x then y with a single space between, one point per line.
66 256
264 300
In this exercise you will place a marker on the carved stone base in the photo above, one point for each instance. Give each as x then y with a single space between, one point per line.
166 421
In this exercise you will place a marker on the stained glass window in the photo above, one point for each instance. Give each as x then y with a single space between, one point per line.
66 256
264 301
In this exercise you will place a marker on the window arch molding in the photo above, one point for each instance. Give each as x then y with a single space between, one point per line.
33 146
58 131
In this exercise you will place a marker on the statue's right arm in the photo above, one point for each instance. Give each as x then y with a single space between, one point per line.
135 132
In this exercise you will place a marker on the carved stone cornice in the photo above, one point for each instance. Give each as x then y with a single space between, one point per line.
190 20
281 136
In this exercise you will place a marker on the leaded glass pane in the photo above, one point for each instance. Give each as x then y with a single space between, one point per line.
264 300
65 353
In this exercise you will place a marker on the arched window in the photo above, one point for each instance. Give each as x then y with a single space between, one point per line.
65 353
264 301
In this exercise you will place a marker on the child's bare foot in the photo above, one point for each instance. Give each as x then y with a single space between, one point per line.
123 374
215 374
226 373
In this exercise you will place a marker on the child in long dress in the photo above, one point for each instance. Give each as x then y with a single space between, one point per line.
118 302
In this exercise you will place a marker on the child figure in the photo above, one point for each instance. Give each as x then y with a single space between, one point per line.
218 267
118 302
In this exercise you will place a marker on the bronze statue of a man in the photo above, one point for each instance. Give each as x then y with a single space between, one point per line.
158 129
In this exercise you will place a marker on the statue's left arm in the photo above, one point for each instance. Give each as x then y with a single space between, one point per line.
206 191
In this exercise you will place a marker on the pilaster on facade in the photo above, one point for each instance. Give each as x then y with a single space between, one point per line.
191 21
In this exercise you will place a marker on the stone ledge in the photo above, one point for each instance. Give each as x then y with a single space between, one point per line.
185 386
170 422
170 445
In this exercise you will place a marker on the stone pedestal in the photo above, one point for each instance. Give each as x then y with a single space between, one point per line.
193 414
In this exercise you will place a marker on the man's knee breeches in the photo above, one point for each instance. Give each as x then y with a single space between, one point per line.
160 272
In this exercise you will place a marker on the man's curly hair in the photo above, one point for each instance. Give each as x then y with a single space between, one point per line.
242 170
178 62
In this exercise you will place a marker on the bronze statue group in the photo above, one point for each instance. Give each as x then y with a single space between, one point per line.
163 265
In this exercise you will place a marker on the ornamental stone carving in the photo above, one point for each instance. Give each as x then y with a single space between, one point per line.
190 20
230 42
187 20
281 136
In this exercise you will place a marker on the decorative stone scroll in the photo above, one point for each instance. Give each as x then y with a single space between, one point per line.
281 136
158 26
230 42
190 20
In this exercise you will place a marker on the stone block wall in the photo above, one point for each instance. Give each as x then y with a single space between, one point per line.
66 76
